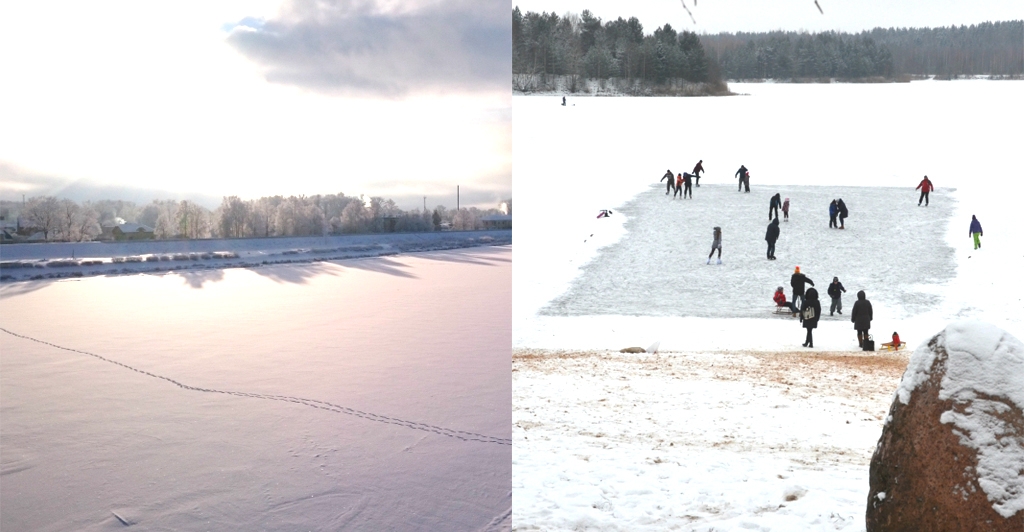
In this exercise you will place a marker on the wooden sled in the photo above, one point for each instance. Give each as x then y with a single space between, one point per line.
783 310
887 346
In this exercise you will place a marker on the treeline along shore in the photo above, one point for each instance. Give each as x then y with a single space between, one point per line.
581 53
48 218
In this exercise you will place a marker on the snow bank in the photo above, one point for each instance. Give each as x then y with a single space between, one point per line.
983 362
23 262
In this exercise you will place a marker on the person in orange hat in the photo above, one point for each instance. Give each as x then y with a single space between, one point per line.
798 281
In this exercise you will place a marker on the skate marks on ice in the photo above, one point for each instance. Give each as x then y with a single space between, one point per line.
314 403
891 248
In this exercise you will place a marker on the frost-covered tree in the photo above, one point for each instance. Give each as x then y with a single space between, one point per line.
43 213
354 217
232 217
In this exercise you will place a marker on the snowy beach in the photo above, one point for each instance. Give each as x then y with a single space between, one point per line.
733 425
368 393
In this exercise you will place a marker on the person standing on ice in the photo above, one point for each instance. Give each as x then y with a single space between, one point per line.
716 244
771 236
785 210
679 185
835 291
744 175
926 186
687 188
861 316
697 170
671 181
843 213
798 281
563 101
833 211
774 204
810 311
976 231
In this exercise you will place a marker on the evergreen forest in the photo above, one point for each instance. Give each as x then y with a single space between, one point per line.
579 47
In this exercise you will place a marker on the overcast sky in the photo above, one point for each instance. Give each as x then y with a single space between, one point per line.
714 16
253 98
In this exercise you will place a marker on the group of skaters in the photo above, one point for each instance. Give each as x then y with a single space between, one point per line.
683 183
837 209
809 308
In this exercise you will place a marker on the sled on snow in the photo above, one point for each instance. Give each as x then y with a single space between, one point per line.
889 346
781 309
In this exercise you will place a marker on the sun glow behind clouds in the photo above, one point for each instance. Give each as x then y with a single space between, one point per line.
131 95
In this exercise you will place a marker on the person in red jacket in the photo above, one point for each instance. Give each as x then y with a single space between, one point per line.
895 341
780 300
926 186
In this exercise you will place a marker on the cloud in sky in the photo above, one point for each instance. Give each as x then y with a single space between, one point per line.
369 47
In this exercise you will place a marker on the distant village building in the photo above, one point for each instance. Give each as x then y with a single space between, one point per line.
129 232
497 221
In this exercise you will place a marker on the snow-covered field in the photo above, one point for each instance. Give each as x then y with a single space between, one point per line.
360 394
19 262
734 425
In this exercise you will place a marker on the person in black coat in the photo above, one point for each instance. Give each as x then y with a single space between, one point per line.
774 204
843 213
744 176
835 291
771 236
861 317
797 281
810 311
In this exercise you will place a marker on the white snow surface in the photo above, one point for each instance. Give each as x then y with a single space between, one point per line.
57 260
985 367
360 394
586 287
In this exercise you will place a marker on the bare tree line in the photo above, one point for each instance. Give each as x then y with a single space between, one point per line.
66 220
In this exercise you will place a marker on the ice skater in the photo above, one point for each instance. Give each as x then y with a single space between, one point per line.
772 235
833 211
716 244
798 281
925 187
679 186
810 312
976 231
843 213
785 210
687 185
671 185
861 316
744 178
563 101
774 204
696 172
835 291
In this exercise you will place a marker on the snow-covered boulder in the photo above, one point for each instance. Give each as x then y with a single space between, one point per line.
951 455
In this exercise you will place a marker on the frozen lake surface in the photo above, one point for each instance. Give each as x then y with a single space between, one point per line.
659 267
734 425
360 394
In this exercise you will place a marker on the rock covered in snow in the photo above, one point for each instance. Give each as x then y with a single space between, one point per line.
951 455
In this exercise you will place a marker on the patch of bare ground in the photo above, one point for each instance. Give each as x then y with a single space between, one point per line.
855 375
